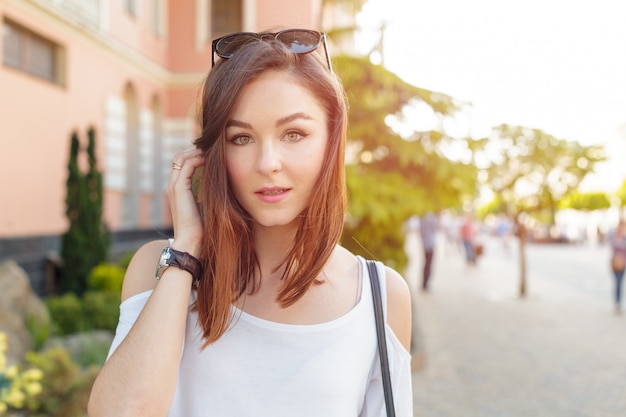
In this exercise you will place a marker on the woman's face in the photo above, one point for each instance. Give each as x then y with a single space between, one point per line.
276 138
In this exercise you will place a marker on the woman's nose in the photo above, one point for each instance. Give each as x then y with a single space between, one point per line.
269 159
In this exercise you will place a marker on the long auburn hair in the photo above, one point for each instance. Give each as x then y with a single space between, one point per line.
228 252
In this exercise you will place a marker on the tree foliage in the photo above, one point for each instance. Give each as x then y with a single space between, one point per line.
531 171
585 201
332 8
73 240
392 176
85 244
621 194
92 223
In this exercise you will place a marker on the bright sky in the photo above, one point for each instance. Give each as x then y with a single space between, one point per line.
556 65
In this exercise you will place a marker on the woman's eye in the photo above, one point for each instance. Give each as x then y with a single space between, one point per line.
293 136
241 140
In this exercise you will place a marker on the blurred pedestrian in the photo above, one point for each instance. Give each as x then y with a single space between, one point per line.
449 226
503 230
618 262
428 232
468 236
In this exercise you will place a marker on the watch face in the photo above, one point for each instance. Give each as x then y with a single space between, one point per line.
163 262
165 256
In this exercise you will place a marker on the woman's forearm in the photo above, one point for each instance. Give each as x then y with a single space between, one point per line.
139 379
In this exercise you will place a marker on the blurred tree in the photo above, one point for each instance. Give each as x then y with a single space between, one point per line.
73 240
531 171
331 8
338 19
85 243
92 224
392 176
585 201
621 194
351 6
493 207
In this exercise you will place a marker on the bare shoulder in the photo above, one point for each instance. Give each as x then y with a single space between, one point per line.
140 275
399 306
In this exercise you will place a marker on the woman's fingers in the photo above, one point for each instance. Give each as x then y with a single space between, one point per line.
183 167
185 216
181 158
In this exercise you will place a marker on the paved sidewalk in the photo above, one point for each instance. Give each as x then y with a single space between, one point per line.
560 352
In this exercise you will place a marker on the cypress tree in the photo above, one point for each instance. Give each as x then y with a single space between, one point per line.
85 244
73 240
97 237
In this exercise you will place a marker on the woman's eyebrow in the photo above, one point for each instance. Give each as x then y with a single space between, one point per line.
293 117
279 122
237 123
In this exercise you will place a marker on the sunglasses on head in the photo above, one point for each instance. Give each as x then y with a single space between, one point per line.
298 41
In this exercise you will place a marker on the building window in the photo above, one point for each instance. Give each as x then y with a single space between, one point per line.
29 52
131 7
226 17
157 18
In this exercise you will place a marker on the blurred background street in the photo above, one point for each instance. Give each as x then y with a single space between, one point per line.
559 352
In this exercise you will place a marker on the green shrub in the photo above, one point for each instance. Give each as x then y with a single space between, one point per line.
101 309
106 277
67 315
38 329
17 387
65 385
95 310
124 261
92 351
85 348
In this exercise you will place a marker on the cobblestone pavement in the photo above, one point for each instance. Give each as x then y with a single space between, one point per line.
560 351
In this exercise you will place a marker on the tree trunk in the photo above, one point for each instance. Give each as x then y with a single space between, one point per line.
521 235
522 258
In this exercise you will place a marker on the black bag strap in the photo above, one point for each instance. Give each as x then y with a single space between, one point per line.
382 342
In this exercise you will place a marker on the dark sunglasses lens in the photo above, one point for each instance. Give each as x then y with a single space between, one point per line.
300 41
229 45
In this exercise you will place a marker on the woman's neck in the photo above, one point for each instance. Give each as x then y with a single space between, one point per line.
272 244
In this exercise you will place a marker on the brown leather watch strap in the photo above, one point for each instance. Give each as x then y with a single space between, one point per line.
189 263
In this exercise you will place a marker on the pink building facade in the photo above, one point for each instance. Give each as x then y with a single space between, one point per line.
131 69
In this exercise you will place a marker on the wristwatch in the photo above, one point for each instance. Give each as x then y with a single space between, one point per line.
182 260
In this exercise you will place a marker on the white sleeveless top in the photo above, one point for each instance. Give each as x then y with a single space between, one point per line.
260 368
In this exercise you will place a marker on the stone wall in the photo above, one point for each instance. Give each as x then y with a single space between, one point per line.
18 305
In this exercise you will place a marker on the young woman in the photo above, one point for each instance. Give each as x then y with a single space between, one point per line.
257 311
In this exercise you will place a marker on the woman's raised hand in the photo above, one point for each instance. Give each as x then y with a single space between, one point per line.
185 215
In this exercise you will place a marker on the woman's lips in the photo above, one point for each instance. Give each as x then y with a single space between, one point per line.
272 195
